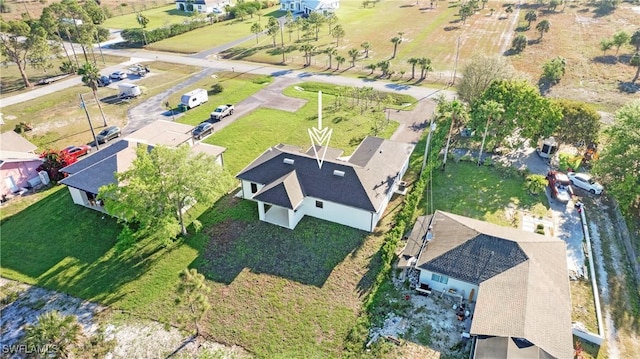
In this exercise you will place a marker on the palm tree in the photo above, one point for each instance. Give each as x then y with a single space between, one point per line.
491 110
331 51
543 26
366 46
289 23
331 19
143 21
339 60
425 67
519 43
338 33
635 40
454 111
371 67
308 50
635 61
396 41
509 10
90 76
353 54
54 331
531 16
256 28
413 61
384 67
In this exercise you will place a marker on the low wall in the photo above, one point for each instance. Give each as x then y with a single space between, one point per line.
588 336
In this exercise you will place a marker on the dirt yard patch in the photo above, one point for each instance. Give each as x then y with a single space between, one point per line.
21 304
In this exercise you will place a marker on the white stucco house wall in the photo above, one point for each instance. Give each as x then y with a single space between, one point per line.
85 177
288 184
518 283
309 6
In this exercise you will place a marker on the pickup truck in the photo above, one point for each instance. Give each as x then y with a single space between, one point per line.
221 112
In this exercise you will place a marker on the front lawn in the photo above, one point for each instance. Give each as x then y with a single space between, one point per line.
158 17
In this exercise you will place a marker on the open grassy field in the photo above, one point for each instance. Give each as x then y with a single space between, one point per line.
114 7
59 121
575 34
215 35
158 17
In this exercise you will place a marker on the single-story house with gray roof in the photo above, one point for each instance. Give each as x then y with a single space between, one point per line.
518 280
86 176
308 6
354 191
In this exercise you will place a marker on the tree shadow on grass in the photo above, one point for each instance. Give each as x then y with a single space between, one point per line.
239 53
606 59
308 254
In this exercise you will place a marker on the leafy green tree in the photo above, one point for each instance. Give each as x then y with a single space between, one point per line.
51 24
480 72
297 24
543 26
413 61
193 293
340 60
338 33
20 44
251 11
606 45
308 50
331 51
59 333
509 10
384 67
553 4
489 110
273 28
618 163
527 113
580 123
366 46
53 161
371 67
535 183
519 43
554 69
290 23
353 54
635 61
620 38
331 19
316 19
256 28
425 67
634 40
396 40
531 16
95 12
90 76
143 21
465 11
160 185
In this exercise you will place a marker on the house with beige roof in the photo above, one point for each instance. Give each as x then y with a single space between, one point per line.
517 280
86 176
18 163
288 184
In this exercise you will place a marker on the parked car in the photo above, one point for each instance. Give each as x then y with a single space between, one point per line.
560 186
221 112
104 81
108 134
118 75
586 182
76 151
203 129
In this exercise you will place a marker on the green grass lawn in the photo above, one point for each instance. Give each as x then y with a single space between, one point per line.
211 36
158 17
482 193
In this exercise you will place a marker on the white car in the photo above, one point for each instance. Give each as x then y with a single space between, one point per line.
118 75
586 182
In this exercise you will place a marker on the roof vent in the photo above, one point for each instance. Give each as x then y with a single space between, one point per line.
288 161
338 173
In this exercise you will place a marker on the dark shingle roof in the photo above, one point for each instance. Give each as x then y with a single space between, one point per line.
98 156
368 174
283 192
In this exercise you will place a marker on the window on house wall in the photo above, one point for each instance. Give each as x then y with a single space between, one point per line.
319 204
254 188
439 278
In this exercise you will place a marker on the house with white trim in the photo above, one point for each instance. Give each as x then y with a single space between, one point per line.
516 281
18 163
288 184
86 176
203 6
309 6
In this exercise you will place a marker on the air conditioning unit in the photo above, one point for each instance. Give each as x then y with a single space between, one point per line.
44 177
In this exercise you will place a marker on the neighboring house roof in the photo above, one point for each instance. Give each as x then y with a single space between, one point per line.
197 2
522 276
366 177
12 156
319 4
162 132
11 141
207 149
97 156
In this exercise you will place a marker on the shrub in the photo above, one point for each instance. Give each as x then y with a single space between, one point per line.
216 89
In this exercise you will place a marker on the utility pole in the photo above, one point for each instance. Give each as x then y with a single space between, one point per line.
100 48
484 137
282 39
432 127
84 107
455 65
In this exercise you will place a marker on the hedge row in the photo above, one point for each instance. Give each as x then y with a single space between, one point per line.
403 222
136 37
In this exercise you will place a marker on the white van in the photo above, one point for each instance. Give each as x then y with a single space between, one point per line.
194 98
128 90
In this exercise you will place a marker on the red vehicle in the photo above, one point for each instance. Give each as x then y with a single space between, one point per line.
560 186
76 151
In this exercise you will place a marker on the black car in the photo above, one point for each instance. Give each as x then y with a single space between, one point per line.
203 129
104 81
108 134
